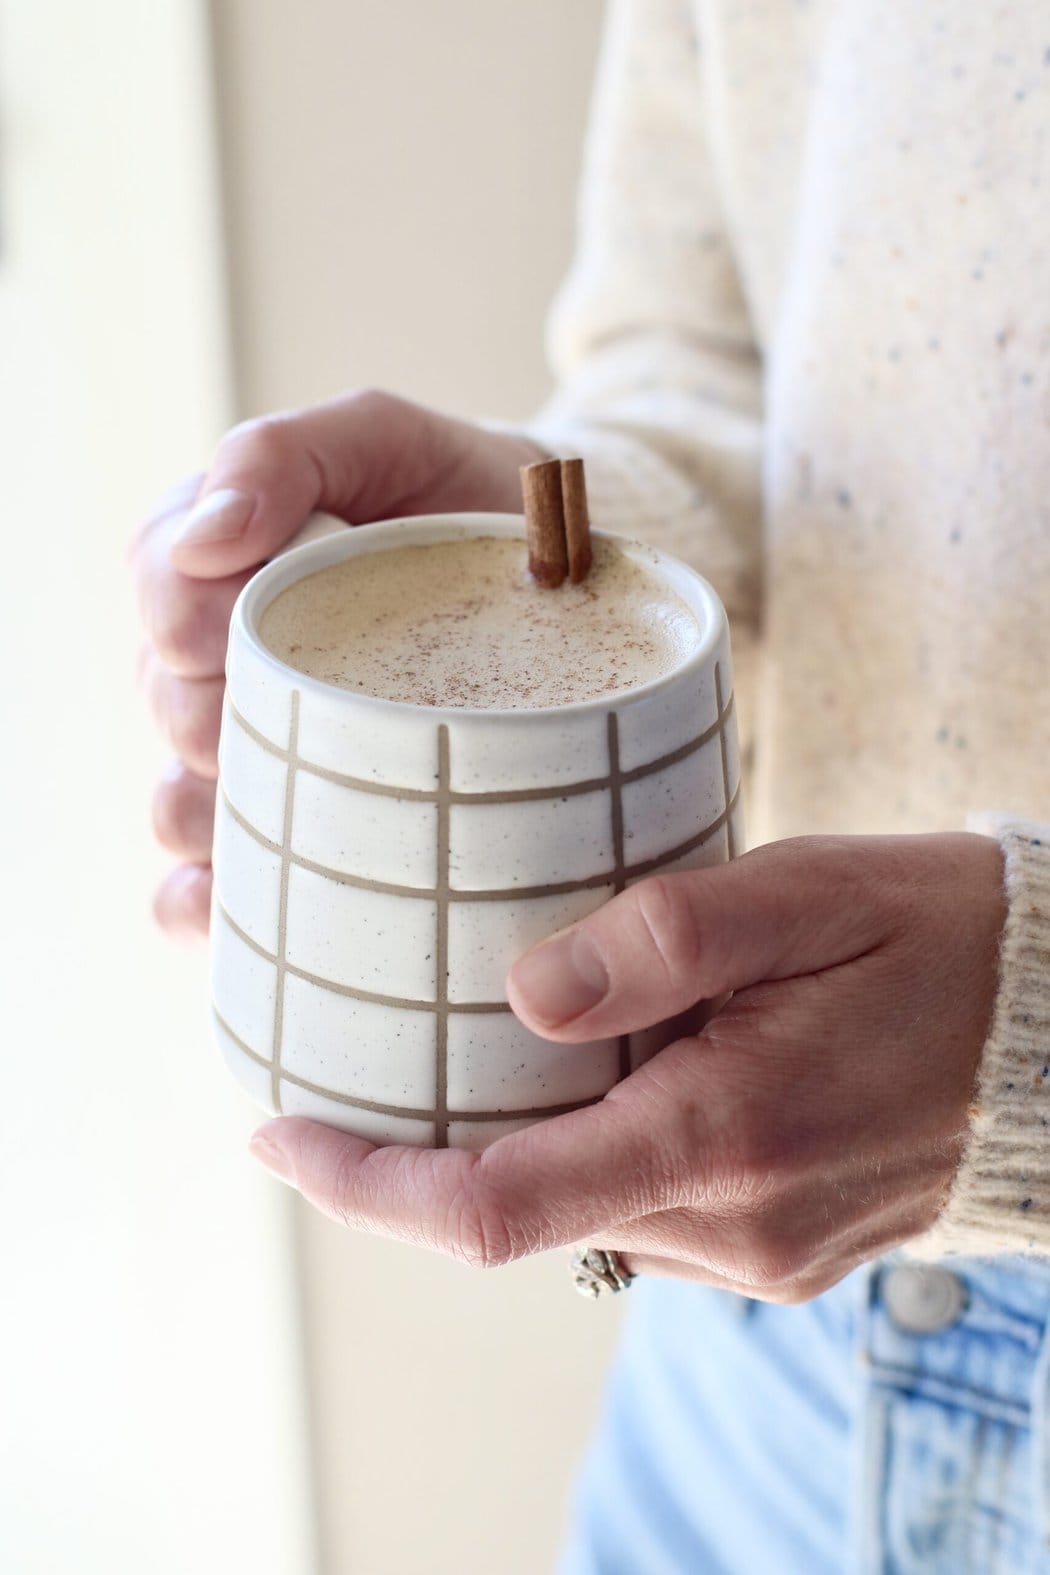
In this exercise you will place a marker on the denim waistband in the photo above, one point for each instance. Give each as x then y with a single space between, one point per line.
987 1359
1017 1284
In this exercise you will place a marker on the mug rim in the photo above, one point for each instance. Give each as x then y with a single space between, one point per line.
350 541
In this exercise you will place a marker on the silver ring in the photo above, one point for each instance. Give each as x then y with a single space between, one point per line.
594 1270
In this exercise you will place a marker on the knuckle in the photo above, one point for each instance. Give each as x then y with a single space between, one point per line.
773 1263
181 817
758 1168
181 902
270 440
479 1233
376 401
777 1252
169 816
852 884
796 1292
193 721
181 632
665 913
760 1150
162 914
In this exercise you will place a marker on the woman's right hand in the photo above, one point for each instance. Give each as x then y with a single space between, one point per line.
364 456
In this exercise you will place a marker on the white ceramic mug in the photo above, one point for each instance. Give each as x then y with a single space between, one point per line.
379 866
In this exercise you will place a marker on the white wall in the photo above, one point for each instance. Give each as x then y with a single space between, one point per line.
150 1412
400 190
399 184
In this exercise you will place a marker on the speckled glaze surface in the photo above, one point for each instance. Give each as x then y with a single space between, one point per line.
379 866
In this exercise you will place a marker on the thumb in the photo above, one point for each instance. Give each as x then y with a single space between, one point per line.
668 942
365 455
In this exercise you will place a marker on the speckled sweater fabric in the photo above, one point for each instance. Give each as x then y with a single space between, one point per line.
805 344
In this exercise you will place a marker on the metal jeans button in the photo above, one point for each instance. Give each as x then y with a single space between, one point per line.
923 1300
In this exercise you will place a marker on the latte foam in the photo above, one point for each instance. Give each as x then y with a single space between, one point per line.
462 623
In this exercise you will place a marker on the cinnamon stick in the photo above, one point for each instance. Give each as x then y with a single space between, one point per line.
545 522
577 520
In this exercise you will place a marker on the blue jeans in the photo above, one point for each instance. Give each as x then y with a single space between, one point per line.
740 1438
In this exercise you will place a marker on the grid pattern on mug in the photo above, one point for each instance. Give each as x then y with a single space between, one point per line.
434 904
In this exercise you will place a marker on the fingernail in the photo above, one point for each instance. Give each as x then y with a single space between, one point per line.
221 516
561 979
273 1157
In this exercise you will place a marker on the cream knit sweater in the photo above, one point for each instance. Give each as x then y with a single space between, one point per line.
805 344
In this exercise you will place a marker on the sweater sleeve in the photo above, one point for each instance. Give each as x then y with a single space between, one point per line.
659 382
1000 1199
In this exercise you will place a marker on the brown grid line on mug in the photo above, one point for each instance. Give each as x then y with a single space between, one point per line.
401 1003
492 795
401 1112
466 894
418 1004
443 895
614 783
285 851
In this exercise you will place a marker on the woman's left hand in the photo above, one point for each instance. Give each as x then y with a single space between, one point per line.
815 1122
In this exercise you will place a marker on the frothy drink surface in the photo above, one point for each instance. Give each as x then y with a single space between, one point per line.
461 623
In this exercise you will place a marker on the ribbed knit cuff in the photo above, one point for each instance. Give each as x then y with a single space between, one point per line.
1000 1199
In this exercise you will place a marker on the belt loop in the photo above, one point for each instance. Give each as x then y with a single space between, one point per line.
1040 1412
865 1295
867 1467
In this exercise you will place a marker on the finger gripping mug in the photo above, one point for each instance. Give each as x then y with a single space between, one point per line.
379 865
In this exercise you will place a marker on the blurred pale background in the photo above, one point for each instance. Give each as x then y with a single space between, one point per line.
207 211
